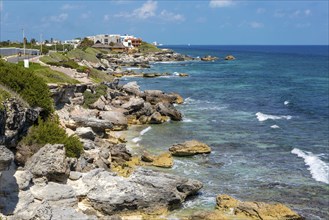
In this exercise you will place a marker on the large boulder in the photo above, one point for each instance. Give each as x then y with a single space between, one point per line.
143 191
89 118
164 160
134 104
254 210
189 148
50 162
85 132
117 119
167 109
132 88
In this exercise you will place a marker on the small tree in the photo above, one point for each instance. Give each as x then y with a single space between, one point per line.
86 43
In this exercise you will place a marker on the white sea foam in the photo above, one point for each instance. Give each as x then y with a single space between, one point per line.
286 102
176 73
136 139
145 130
187 120
215 108
318 168
189 100
264 117
275 126
133 68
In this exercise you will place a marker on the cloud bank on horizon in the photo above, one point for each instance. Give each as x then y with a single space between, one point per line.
171 22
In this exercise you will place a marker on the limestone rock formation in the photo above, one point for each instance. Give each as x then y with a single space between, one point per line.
50 162
189 148
143 190
254 210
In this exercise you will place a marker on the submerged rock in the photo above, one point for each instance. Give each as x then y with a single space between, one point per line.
209 58
189 148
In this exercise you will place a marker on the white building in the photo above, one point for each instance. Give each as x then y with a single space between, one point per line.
105 38
74 42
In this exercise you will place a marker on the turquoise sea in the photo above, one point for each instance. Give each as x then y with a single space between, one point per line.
265 115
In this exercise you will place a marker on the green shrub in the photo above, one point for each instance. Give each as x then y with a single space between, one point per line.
27 84
90 98
4 95
49 132
146 47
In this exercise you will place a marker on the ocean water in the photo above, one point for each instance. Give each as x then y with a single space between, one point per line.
266 117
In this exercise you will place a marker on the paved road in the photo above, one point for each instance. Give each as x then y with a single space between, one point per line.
16 59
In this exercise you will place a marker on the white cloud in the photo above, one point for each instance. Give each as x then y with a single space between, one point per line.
256 24
308 12
169 16
253 24
85 15
303 25
147 10
69 7
221 3
261 10
59 18
106 17
279 14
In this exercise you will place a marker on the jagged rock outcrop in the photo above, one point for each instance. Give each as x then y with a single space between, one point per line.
15 119
67 93
189 148
50 162
143 190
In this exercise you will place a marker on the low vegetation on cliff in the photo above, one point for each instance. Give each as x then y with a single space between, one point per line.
50 76
27 84
91 97
3 96
49 132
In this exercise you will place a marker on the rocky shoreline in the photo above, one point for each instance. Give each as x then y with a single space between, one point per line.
107 181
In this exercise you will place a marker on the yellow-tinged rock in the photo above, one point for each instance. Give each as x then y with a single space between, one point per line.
254 210
189 148
164 160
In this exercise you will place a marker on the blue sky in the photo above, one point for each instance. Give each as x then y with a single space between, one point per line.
223 22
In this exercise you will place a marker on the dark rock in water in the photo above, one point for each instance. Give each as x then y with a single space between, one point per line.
149 75
209 58
50 162
167 109
229 57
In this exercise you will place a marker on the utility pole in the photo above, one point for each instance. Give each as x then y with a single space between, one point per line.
40 44
24 41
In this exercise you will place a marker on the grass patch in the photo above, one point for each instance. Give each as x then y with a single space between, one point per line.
4 95
49 132
99 76
50 76
88 54
90 98
146 47
27 84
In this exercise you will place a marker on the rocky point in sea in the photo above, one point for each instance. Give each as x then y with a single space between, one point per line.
107 181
